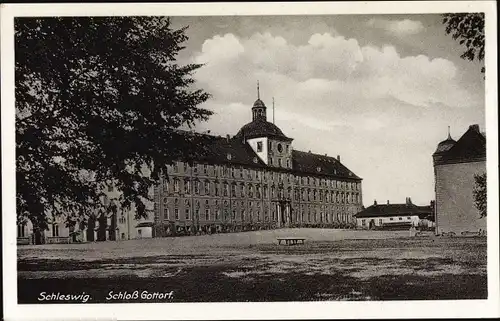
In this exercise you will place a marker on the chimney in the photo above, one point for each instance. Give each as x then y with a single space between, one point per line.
338 158
228 137
408 201
375 202
326 155
309 152
474 127
387 202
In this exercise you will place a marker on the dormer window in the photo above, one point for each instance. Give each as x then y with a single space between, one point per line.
255 160
318 169
280 148
229 156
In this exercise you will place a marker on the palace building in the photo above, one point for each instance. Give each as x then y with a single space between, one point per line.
255 180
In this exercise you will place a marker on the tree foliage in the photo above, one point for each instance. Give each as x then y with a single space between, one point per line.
468 30
479 193
99 102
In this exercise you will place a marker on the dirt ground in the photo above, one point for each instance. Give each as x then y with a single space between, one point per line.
251 266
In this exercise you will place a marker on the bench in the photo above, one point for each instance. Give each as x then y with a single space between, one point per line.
291 240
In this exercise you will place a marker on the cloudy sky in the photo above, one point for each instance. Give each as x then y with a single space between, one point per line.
378 90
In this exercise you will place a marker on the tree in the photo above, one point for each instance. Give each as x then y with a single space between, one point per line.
479 193
468 30
99 102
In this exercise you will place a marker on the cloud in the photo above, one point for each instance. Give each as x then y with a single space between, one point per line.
383 112
397 27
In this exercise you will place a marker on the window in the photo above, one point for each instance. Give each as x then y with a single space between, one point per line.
391 219
400 218
226 189
242 215
233 190
110 188
176 185
166 214
286 148
232 172
195 168
234 215
380 221
287 163
270 161
207 188
139 231
106 199
205 169
279 161
207 214
216 188
197 187
123 236
187 187
409 217
176 212
363 222
270 145
55 229
176 167
280 148
259 146
188 213
217 215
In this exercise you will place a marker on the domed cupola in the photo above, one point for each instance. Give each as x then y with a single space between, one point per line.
446 144
443 146
259 109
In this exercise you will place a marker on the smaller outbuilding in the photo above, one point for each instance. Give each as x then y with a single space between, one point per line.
396 216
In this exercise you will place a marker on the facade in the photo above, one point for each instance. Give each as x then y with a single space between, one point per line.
255 180
395 216
455 165
97 227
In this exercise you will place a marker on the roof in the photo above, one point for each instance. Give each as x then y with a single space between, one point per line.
259 104
445 145
230 151
471 147
227 150
315 164
261 128
388 210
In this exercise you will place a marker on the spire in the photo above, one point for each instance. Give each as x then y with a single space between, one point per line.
449 136
273 110
258 90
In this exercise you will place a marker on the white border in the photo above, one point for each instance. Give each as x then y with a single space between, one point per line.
288 310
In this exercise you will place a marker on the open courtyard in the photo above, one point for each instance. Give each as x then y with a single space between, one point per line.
251 266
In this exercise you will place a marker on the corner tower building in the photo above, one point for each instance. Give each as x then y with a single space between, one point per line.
256 180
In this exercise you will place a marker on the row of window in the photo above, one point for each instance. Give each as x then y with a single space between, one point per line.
257 191
208 215
271 144
380 221
244 173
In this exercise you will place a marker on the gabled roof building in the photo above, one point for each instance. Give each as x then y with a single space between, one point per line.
395 216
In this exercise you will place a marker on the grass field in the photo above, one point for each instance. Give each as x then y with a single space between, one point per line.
250 266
